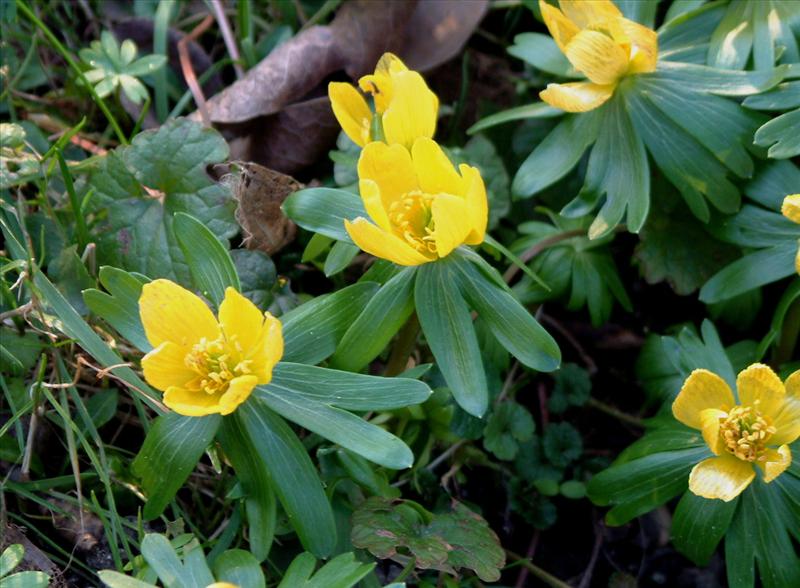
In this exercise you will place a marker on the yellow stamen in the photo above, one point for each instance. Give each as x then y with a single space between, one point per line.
745 432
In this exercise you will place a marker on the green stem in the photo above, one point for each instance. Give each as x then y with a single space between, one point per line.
76 68
81 231
544 576
406 571
789 334
403 347
615 412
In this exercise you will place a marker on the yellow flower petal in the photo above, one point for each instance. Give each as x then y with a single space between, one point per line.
561 28
238 391
412 111
776 462
190 403
787 421
597 56
390 167
709 425
222 585
373 204
165 366
351 110
477 203
172 313
586 12
701 390
389 63
576 96
791 207
383 244
435 172
723 477
643 43
452 222
240 319
758 383
381 83
268 350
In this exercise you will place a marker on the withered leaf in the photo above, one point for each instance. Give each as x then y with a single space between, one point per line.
278 115
259 193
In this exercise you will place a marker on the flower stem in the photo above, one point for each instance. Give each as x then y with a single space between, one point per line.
544 576
403 347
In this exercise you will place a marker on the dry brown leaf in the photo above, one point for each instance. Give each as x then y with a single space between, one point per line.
259 193
278 115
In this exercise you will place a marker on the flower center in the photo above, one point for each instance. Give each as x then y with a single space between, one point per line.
216 363
412 220
745 432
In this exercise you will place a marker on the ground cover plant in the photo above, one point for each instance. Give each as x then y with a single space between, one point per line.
437 293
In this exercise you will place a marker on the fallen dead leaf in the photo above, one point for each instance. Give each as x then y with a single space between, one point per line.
278 115
259 193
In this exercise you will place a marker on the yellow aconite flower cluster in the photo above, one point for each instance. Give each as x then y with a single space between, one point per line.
420 206
204 365
791 210
405 108
755 432
601 44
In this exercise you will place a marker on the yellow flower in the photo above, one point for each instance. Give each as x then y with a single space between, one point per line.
601 44
422 208
791 210
202 365
740 435
405 106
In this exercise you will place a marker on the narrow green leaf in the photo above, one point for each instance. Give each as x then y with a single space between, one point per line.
688 165
733 39
197 571
618 169
781 136
699 525
557 154
312 331
168 455
772 183
446 322
120 306
10 558
721 125
542 52
375 326
260 503
347 390
160 555
343 571
751 271
339 257
209 262
514 327
27 579
114 579
723 82
339 426
535 110
294 477
784 96
759 536
324 210
240 568
638 486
